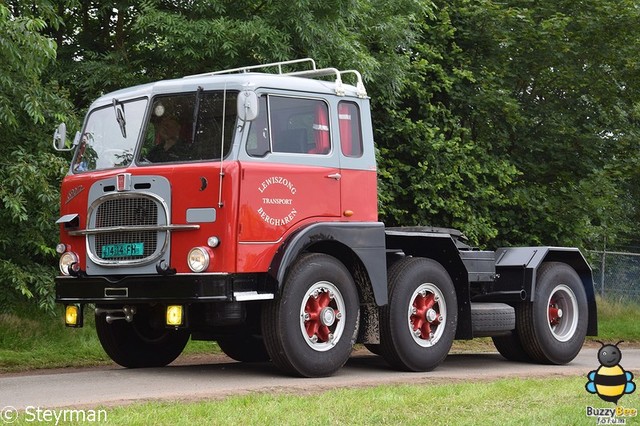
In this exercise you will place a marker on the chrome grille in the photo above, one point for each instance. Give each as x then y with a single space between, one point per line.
123 212
127 212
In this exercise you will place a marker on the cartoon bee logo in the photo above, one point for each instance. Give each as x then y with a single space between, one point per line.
610 381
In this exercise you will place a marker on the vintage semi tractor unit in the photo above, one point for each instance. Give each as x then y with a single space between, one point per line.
240 207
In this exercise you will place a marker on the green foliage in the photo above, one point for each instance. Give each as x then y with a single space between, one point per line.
518 123
120 45
29 173
434 170
554 97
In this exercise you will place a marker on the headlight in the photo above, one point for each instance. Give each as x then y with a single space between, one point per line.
66 260
198 259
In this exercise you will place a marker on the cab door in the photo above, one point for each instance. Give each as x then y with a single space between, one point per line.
290 172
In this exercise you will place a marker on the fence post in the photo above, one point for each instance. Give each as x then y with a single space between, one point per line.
604 263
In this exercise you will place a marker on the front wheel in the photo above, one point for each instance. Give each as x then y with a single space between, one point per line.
244 347
553 327
310 330
418 325
144 342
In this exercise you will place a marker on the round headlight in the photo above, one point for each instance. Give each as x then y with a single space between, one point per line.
198 259
66 260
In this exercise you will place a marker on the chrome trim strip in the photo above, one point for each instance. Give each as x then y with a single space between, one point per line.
94 231
245 296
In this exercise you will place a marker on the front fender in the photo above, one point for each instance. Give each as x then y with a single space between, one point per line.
365 240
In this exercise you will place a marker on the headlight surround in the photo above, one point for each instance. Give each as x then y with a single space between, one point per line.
198 259
66 261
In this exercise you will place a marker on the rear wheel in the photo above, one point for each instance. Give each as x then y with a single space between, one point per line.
144 342
311 329
511 348
418 325
552 329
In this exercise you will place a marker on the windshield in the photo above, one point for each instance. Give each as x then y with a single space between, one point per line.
110 135
189 127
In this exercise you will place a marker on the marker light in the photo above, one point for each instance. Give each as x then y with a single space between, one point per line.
198 259
175 316
66 261
213 242
73 316
61 248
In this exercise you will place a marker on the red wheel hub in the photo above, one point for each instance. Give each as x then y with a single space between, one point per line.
320 315
555 313
424 317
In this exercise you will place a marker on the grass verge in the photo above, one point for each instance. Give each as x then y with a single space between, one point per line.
501 402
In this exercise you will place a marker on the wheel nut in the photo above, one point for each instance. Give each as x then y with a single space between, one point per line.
314 339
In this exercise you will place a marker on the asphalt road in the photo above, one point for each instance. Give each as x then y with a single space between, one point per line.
218 377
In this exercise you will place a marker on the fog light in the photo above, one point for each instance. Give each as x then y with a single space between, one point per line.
66 261
73 316
175 315
198 259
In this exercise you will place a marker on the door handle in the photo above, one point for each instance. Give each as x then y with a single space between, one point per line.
335 176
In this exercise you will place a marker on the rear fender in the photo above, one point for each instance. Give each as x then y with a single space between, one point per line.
517 269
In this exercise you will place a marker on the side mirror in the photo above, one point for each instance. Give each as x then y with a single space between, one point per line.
247 105
60 138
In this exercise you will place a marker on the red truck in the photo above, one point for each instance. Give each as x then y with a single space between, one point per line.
240 207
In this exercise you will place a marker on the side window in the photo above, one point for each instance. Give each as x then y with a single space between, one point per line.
350 133
294 125
259 142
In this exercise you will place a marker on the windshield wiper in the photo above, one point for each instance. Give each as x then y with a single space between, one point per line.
196 113
118 107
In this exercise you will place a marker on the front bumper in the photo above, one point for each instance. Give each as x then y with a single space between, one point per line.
178 288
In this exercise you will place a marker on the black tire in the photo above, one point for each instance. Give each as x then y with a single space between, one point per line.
511 348
144 342
552 329
319 298
418 288
244 347
374 348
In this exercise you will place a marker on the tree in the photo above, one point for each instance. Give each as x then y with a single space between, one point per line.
556 99
434 170
29 173
538 100
109 45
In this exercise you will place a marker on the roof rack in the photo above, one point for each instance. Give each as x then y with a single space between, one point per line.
313 72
